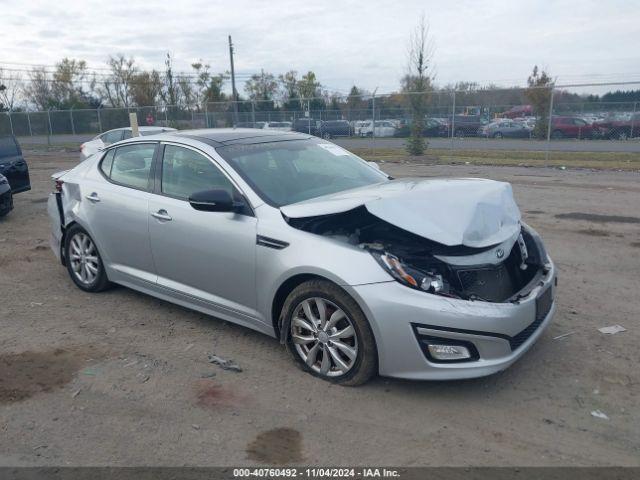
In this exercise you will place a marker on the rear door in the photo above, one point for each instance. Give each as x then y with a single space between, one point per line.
12 164
209 256
114 202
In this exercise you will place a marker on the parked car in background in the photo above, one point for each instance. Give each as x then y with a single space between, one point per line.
358 126
620 127
383 128
518 111
6 197
467 125
305 125
13 165
433 127
354 272
506 129
105 139
280 126
572 127
436 127
334 128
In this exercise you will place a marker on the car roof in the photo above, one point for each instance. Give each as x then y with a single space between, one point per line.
217 137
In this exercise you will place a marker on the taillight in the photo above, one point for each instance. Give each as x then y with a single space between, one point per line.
58 186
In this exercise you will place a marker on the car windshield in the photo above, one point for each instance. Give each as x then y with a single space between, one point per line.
292 171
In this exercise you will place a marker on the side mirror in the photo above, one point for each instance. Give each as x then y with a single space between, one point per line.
374 165
215 201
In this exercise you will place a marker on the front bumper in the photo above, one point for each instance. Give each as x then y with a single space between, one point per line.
500 332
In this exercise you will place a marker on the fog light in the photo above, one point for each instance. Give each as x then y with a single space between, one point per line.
448 352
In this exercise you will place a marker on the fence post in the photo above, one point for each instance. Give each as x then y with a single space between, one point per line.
73 127
99 119
10 122
253 114
29 123
373 122
193 119
633 118
453 118
50 127
206 115
166 116
546 155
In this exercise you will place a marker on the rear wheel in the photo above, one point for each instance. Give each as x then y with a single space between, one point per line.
459 133
557 134
326 135
497 135
328 335
83 260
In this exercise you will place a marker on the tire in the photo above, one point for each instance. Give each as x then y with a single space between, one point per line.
4 213
361 366
88 272
459 133
557 134
326 135
623 135
497 135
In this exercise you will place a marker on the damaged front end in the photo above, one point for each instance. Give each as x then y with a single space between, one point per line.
503 272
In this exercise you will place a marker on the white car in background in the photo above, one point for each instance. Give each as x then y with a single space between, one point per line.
383 128
281 126
105 139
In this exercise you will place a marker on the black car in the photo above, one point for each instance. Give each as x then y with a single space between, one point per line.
13 166
305 125
6 199
467 125
335 128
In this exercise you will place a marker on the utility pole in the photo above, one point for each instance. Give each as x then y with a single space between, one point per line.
233 85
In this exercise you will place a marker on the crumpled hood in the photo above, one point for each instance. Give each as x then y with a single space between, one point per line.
463 211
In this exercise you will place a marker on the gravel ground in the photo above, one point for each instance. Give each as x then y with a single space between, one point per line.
120 378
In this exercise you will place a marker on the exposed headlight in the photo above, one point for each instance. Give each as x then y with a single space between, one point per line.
3 180
409 276
542 251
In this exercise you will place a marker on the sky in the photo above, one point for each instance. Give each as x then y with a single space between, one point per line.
344 42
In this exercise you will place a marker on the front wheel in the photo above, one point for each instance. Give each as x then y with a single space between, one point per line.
497 135
326 135
83 260
328 335
557 134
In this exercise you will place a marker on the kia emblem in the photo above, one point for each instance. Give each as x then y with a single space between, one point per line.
499 253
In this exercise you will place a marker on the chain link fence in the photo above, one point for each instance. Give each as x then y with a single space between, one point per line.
568 112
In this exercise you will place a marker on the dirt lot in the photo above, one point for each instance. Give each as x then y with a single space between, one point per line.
120 378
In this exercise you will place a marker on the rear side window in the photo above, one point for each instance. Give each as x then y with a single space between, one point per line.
8 147
107 162
111 137
132 164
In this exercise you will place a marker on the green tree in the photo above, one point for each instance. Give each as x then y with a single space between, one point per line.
146 88
289 93
262 88
539 96
417 83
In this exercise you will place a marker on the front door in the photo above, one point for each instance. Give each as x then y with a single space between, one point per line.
209 256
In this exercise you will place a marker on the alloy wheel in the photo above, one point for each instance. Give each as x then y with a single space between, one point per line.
84 258
324 337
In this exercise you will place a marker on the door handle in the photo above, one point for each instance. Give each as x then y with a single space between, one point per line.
93 197
162 215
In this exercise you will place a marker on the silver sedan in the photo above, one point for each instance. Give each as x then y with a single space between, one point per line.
355 273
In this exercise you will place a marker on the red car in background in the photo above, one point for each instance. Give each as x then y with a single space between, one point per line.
620 127
518 111
573 127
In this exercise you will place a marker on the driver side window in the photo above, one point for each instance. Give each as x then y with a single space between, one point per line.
185 172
